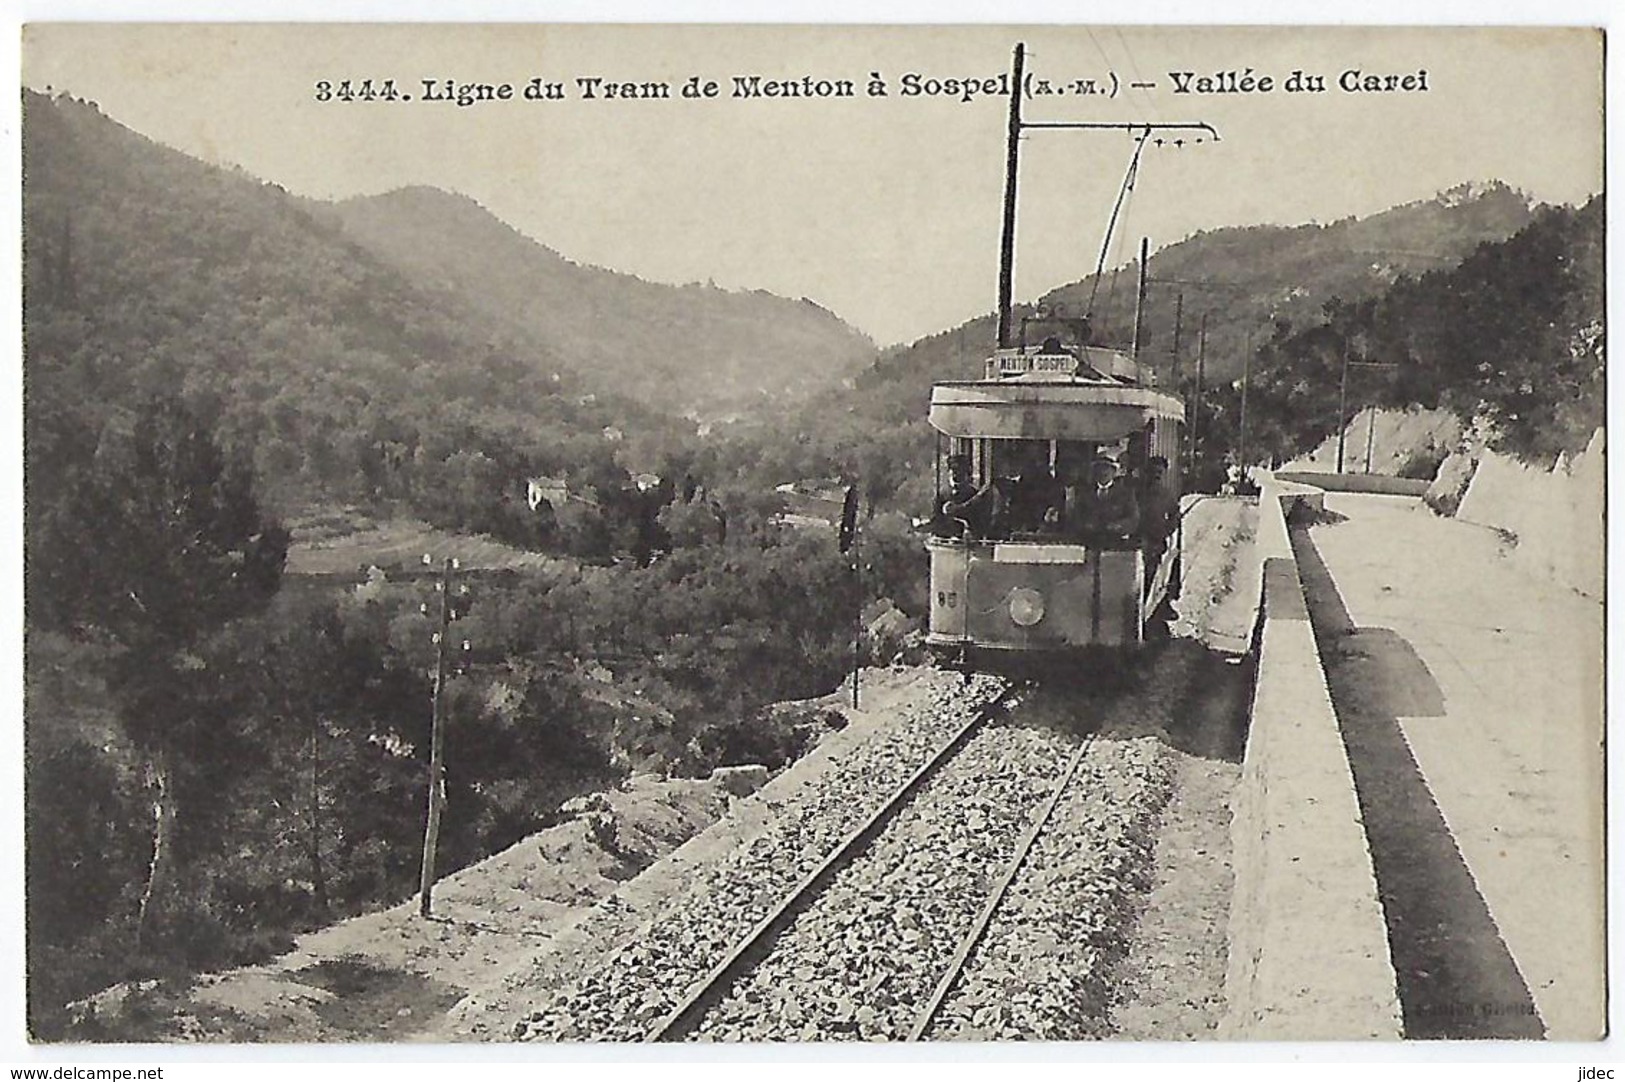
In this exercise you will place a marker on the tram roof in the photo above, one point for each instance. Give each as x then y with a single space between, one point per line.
1077 409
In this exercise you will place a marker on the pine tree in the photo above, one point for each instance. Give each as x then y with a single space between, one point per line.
152 544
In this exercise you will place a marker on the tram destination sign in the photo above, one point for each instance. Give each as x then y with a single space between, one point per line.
1006 363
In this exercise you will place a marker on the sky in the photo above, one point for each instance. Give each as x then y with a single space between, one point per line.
883 208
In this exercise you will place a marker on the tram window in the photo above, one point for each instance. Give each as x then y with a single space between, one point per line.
1020 458
1139 450
1072 458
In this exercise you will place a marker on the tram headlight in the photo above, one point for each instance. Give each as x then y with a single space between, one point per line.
1026 606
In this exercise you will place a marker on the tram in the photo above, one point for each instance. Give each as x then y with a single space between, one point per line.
1058 529
1017 565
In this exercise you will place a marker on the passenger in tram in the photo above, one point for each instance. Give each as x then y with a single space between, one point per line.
955 513
1028 506
1017 498
1071 476
1159 513
986 510
1033 491
1103 512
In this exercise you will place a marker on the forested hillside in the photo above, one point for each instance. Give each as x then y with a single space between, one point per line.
1511 340
147 272
314 338
693 349
1251 283
1245 280
217 757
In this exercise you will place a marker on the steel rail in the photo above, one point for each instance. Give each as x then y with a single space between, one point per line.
685 1017
956 965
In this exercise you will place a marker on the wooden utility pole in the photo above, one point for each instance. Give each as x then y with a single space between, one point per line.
1139 302
1179 320
1196 402
846 539
318 877
437 742
1007 247
1246 367
1342 406
857 623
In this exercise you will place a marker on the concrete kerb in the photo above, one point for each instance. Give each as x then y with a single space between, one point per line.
1309 953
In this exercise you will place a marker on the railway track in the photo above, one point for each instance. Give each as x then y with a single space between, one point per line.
873 946
973 879
683 1021
973 937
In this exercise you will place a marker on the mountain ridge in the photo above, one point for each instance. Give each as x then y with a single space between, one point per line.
727 350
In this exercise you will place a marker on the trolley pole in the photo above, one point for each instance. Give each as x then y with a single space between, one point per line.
1007 248
437 743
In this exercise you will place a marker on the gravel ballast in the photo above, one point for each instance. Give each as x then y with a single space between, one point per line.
862 959
621 996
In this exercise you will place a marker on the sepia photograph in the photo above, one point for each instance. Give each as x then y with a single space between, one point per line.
593 534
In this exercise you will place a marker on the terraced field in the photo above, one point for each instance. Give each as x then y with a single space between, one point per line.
346 541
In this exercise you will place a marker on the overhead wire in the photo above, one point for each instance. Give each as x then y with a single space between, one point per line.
1134 69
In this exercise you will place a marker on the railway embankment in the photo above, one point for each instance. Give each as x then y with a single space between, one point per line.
1113 926
1309 957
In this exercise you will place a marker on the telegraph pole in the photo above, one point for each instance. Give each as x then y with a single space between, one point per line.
1246 365
1342 406
1007 248
857 622
846 539
1179 319
437 741
1201 369
1139 303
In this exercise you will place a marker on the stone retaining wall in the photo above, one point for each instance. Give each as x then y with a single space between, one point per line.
1308 945
1557 515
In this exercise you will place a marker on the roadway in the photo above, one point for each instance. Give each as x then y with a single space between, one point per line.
1469 696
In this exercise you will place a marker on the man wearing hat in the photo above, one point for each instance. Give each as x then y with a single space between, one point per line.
957 509
1102 511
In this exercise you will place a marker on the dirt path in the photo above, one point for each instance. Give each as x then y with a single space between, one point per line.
387 976
1170 984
